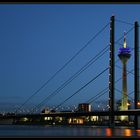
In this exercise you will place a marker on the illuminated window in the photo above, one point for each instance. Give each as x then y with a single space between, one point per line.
47 118
24 119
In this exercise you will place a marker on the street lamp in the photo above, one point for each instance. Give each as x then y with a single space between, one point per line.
138 103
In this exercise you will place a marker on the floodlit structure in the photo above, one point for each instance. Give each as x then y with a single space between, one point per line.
124 55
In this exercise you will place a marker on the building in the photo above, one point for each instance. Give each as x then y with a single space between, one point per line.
84 107
45 111
119 102
124 55
119 106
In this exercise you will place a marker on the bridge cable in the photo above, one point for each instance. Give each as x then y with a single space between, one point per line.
116 60
105 48
89 63
104 90
52 77
121 68
64 86
121 21
92 80
121 93
123 36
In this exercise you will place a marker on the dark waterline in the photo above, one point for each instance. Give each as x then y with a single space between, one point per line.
65 131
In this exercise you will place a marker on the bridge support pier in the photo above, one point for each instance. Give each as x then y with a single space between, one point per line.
111 73
136 74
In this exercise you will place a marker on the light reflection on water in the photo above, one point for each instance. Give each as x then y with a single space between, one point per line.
65 131
128 132
138 132
108 132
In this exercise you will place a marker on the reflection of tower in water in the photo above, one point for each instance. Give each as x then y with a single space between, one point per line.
124 55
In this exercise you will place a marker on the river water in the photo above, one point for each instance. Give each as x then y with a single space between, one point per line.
65 131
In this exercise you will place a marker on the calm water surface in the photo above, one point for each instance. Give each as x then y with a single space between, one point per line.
65 131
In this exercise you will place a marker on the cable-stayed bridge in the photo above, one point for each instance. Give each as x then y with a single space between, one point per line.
109 91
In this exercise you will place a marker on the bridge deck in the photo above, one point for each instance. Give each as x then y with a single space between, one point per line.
76 114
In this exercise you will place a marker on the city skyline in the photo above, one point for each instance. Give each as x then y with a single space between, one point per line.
38 39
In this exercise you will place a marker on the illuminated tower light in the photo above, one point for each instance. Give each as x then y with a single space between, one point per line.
124 45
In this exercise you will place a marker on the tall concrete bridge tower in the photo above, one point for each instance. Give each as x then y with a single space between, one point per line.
124 55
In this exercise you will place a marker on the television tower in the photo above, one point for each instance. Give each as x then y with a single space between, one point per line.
124 55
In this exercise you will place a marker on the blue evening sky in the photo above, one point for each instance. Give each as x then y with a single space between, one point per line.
38 39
